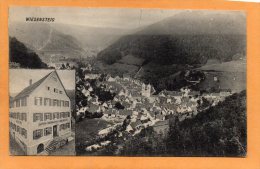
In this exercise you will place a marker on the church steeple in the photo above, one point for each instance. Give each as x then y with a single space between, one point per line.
146 90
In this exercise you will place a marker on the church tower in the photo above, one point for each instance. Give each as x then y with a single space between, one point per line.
146 90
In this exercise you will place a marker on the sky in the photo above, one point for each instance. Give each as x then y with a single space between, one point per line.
123 18
19 78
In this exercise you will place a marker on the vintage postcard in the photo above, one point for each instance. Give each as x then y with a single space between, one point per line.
149 82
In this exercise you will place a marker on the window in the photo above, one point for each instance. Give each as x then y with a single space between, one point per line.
38 101
37 117
24 133
58 102
24 101
54 102
64 114
18 116
47 116
18 129
15 115
47 131
61 92
61 127
61 115
14 127
56 115
66 103
56 90
68 125
17 102
46 101
62 103
37 134
24 116
48 88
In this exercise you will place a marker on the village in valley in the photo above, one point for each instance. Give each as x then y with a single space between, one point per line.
129 106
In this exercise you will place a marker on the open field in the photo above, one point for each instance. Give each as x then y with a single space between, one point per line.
88 128
232 66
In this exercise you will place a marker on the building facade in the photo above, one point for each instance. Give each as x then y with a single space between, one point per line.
41 115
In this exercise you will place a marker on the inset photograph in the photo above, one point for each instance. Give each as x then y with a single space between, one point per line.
40 114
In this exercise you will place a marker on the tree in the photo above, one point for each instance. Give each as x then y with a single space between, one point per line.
119 106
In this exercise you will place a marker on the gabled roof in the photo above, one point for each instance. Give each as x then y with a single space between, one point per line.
26 91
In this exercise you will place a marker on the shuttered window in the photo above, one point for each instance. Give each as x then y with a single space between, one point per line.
37 117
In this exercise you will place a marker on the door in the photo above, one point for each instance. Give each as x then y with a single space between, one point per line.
55 132
40 148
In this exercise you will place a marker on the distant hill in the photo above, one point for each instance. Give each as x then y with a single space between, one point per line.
188 39
92 38
25 57
72 41
47 41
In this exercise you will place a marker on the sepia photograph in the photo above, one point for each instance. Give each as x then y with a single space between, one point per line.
40 117
148 82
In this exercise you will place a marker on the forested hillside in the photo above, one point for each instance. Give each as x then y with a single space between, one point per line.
218 131
25 57
184 41
176 49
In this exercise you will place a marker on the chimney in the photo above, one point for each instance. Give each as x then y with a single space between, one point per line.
30 82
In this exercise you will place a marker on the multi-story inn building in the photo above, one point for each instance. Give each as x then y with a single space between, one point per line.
40 115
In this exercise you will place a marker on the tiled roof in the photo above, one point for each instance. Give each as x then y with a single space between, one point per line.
125 112
174 93
161 123
26 91
194 93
